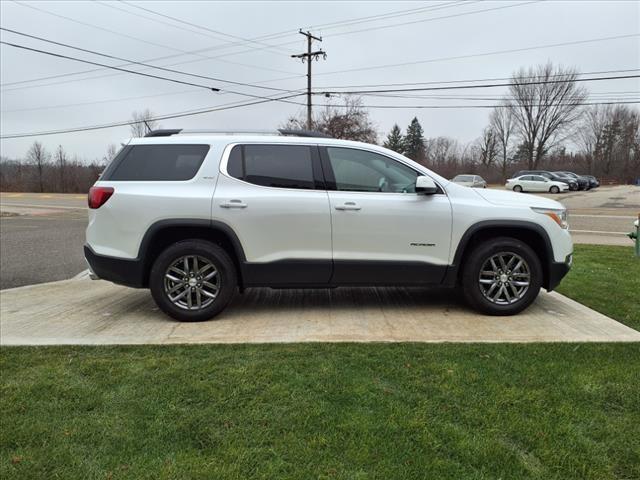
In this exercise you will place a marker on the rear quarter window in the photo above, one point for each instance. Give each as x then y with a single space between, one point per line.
157 163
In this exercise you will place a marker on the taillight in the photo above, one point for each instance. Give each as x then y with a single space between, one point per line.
98 196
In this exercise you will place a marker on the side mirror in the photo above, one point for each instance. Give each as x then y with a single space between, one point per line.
425 185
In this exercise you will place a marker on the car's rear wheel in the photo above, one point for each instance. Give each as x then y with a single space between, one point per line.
502 276
517 188
554 189
193 280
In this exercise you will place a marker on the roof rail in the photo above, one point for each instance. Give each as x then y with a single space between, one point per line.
280 131
303 133
163 132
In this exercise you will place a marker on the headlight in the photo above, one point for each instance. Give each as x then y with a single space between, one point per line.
559 216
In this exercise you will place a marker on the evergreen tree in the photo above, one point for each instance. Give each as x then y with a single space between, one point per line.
395 140
414 141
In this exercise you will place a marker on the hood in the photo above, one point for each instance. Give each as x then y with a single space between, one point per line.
499 197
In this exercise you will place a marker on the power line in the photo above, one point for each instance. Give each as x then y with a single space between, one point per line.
461 87
196 52
221 46
97 102
484 54
134 62
394 14
133 72
607 97
267 46
371 18
476 106
131 37
350 32
494 79
157 118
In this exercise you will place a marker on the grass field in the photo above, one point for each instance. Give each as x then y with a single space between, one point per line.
607 279
348 411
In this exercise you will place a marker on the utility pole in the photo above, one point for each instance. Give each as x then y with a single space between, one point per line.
308 57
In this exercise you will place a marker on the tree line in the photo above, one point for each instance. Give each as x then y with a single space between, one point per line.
59 172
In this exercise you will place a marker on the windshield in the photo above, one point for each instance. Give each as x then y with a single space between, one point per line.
463 178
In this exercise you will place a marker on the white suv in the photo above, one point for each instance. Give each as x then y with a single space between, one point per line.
195 216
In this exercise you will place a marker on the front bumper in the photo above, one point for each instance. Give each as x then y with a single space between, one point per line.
557 271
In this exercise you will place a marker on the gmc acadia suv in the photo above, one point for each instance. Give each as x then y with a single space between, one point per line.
195 216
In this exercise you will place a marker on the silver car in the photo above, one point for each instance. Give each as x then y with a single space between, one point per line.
475 181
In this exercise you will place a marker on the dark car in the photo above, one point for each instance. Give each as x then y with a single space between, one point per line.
583 182
593 181
573 184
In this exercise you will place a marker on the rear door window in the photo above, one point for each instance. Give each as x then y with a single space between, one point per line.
157 163
280 166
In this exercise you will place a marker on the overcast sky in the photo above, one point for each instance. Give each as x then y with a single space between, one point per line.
424 40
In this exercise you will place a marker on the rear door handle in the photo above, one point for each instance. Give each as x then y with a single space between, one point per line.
348 206
233 204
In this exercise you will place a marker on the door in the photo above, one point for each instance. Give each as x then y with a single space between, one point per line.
273 197
539 183
383 232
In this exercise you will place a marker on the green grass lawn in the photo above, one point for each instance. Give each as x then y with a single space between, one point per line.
347 411
606 279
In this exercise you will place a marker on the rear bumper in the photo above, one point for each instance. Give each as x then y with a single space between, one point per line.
557 271
116 270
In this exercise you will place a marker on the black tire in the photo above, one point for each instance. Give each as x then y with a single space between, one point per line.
554 189
517 188
226 275
476 260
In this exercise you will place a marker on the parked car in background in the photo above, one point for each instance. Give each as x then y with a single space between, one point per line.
475 181
535 183
583 182
593 181
573 183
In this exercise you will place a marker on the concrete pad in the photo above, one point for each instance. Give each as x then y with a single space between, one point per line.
89 312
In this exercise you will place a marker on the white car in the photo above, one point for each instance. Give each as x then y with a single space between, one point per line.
535 183
196 217
475 181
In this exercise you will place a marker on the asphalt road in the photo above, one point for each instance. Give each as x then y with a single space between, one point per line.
42 240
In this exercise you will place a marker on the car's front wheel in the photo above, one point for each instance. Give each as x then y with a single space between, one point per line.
554 189
193 280
502 276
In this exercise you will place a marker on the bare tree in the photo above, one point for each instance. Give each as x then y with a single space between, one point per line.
488 147
38 157
61 160
610 140
545 102
349 121
501 121
591 131
112 150
144 123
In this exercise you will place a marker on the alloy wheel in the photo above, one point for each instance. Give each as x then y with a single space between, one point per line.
504 278
192 282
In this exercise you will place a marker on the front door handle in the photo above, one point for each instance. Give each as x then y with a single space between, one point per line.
235 203
348 206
